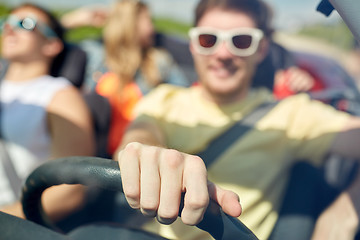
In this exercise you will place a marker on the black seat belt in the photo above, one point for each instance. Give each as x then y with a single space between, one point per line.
235 132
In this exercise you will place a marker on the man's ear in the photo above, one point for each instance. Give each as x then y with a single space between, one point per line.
263 49
53 47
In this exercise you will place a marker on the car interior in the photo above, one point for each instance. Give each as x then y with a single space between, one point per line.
102 197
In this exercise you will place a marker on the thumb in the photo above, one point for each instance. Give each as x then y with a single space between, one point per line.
227 200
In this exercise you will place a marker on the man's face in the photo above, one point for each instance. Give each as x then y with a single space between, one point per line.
225 76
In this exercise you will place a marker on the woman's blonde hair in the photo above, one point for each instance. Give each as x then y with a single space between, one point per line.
124 54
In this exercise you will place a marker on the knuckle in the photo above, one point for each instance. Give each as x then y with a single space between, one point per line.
173 158
198 160
197 202
196 164
132 147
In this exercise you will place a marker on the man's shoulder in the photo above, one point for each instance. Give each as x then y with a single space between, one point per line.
303 100
164 97
169 92
302 106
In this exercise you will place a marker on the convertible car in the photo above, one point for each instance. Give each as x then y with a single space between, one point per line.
338 89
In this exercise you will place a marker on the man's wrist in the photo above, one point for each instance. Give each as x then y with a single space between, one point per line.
347 211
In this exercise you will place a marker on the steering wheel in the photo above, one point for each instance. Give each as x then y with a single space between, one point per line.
103 173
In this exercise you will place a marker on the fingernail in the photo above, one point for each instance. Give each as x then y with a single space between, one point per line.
165 221
133 203
148 213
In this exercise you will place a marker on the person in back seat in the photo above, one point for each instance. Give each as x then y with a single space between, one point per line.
135 65
288 78
162 155
42 117
279 71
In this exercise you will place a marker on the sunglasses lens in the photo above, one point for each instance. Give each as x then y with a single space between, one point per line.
242 41
207 40
27 23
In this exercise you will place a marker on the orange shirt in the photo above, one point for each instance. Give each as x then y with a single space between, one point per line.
122 105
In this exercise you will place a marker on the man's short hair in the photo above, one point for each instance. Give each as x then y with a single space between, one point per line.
256 9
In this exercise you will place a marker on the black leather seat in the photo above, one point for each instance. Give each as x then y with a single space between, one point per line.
71 64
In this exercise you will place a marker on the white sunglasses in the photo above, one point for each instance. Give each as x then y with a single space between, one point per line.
29 24
241 42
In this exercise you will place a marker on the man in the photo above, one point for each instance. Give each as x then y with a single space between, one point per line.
227 44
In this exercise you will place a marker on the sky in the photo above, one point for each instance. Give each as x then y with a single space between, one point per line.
289 14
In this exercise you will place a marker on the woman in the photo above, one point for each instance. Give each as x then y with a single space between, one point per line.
135 65
42 117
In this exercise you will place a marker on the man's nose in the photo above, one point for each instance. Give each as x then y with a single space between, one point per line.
223 51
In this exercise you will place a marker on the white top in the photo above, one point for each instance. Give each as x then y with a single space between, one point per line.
24 126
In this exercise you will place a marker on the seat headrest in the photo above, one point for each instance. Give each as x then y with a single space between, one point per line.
71 64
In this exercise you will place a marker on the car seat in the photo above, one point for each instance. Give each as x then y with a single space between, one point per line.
179 50
71 64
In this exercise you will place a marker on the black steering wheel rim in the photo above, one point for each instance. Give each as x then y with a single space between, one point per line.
105 173
88 171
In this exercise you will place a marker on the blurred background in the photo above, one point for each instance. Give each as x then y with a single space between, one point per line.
299 26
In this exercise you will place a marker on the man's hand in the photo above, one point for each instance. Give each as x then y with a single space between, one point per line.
339 221
154 178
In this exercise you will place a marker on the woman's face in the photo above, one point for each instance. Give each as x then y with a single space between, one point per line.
22 44
145 27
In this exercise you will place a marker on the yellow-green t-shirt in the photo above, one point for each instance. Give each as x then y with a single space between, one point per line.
256 166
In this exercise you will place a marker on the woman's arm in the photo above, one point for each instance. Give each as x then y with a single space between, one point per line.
71 130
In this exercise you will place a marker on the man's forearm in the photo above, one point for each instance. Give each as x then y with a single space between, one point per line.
144 133
354 194
341 219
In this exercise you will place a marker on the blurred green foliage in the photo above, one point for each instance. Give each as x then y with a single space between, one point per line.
3 10
162 25
81 33
169 26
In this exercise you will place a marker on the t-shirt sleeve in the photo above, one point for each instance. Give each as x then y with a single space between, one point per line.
313 125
